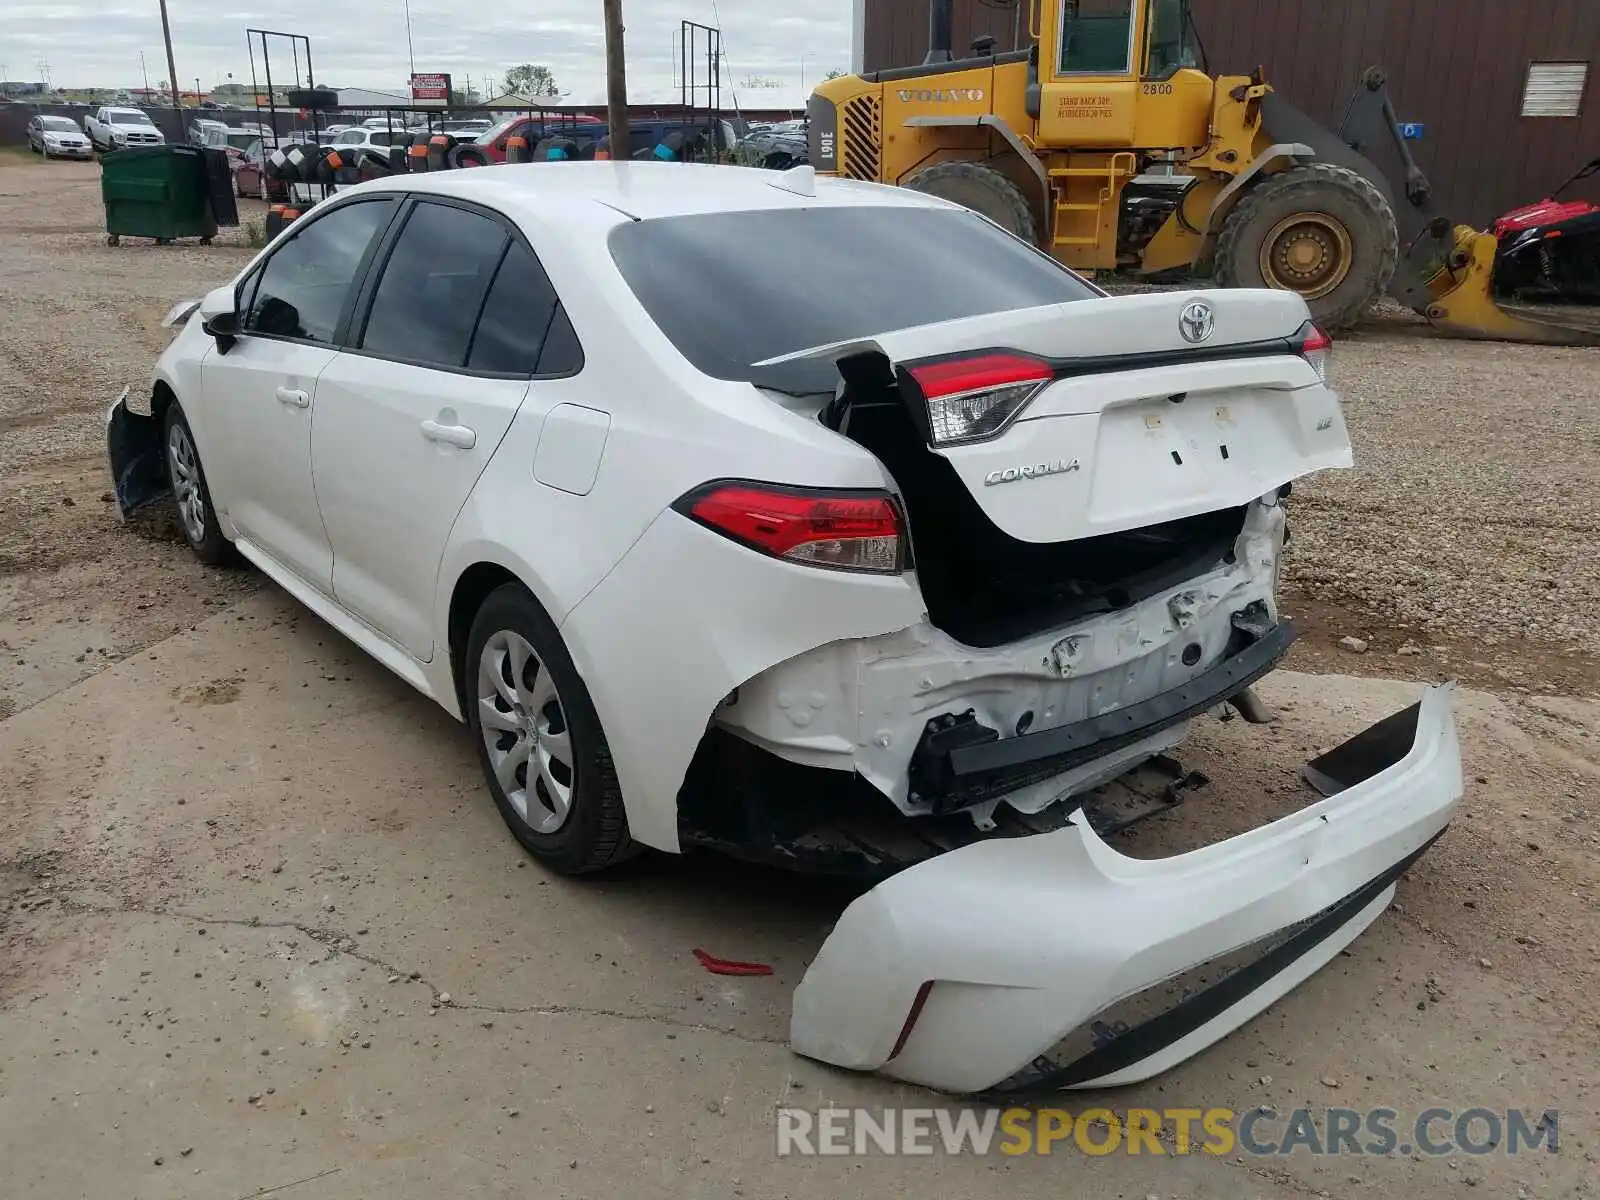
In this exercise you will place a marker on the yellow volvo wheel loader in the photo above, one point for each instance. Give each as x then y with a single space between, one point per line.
1109 145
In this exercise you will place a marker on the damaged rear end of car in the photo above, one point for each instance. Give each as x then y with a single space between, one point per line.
1098 541
1088 496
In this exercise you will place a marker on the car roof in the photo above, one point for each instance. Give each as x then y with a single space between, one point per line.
644 190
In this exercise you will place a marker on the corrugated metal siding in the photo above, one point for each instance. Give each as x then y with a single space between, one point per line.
1458 66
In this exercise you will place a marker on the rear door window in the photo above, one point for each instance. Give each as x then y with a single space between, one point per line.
433 286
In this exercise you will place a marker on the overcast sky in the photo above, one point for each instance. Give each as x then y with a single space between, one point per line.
363 42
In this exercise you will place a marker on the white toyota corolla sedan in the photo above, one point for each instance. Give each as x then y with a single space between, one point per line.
828 525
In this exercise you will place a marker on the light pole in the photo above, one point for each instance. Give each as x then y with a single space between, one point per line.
803 54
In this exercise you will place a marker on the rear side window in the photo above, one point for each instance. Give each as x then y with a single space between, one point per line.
733 289
511 331
433 286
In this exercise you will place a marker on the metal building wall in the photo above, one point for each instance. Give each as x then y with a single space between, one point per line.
1457 66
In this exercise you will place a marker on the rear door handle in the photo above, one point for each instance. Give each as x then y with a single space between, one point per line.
294 396
452 435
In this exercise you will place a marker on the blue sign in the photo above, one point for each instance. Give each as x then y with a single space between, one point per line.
1411 130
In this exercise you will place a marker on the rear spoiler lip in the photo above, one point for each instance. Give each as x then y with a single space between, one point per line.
776 373
1103 364
1062 367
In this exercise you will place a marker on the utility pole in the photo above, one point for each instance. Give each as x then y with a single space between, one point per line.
616 82
172 66
410 53
145 71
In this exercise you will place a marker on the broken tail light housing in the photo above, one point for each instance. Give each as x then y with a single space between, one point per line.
974 397
1313 345
844 530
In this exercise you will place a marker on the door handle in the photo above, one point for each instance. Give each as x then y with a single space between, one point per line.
452 435
294 396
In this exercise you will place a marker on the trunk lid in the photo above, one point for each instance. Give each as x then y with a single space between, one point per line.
1130 423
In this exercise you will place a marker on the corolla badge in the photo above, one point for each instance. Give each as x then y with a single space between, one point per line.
1196 321
1059 466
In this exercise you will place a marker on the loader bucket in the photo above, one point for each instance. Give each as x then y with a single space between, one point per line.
1463 303
1445 271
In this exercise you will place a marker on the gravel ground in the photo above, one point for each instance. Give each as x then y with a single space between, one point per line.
1473 512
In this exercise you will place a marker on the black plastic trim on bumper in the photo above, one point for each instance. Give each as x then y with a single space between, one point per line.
978 772
1177 1023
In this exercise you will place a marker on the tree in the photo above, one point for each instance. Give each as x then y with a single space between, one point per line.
759 81
530 79
834 74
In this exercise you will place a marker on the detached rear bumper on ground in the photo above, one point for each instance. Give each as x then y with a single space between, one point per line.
1053 961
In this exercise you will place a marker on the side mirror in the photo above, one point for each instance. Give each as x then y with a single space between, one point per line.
224 327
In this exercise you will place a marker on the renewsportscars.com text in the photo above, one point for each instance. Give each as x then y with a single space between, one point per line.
1261 1132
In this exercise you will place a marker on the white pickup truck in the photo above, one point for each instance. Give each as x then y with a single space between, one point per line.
113 128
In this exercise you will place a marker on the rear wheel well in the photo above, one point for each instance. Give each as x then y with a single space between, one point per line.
471 590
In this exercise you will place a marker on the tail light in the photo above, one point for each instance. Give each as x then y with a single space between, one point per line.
844 530
973 398
1313 347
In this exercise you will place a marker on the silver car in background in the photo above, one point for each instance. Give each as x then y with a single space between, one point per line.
58 137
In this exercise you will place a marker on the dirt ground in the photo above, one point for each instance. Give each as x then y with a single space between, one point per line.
261 930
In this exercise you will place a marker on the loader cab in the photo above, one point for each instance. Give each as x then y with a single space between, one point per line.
1121 74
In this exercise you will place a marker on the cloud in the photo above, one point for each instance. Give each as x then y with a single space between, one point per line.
362 43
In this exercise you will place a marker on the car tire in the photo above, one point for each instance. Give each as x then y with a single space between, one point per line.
544 748
197 516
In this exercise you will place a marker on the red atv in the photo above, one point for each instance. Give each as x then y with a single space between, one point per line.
1551 250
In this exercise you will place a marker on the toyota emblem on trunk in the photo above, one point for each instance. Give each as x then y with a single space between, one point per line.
1196 321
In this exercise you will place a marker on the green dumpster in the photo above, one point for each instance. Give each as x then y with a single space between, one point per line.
158 192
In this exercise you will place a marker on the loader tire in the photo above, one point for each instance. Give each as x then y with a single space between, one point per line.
982 189
1320 230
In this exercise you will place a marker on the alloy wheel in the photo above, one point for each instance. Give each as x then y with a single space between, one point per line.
184 466
525 731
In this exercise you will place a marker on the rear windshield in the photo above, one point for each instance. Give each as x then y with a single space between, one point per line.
733 289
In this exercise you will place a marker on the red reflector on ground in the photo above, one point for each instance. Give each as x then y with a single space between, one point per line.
729 966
